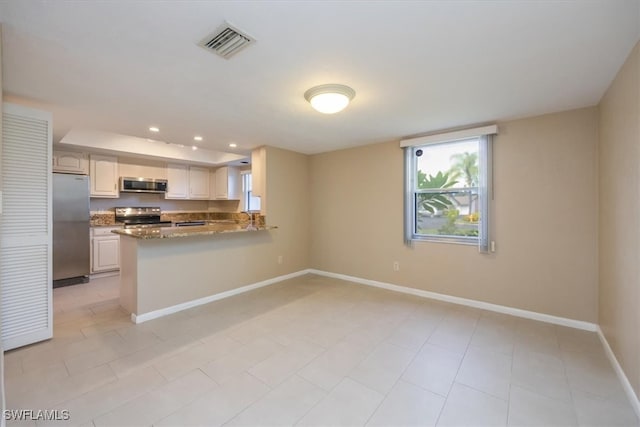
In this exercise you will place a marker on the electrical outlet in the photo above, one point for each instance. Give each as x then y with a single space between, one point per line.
396 266
493 246
279 259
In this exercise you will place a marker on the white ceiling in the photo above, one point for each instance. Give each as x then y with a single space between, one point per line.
416 66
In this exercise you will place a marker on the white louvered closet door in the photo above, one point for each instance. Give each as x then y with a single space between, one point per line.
25 227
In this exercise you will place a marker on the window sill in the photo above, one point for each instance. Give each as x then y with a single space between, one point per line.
450 240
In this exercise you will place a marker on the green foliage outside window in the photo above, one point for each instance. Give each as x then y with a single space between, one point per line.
432 202
464 167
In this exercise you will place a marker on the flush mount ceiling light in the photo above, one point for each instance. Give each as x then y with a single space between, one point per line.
197 138
331 98
154 129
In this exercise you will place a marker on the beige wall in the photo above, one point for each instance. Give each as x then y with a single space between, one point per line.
288 198
545 220
619 223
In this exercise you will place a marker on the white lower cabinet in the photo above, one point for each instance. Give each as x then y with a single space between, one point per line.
105 249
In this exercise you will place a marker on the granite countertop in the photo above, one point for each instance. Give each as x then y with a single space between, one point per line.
108 218
179 232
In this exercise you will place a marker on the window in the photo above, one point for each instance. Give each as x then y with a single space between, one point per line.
447 189
250 202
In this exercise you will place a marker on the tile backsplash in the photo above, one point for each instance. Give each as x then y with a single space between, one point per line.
141 199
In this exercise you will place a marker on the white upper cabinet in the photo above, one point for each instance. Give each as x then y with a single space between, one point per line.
198 183
103 172
187 182
212 184
142 168
70 162
227 183
177 182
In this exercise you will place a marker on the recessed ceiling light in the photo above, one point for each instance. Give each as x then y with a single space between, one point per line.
194 148
233 145
154 129
197 138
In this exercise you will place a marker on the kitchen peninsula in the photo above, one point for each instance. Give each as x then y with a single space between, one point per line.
180 232
165 270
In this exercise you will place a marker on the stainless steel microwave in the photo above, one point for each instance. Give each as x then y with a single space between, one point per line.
142 185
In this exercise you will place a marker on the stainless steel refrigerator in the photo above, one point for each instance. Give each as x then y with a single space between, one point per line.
70 229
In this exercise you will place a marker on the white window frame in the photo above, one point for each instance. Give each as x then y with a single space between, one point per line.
247 193
484 189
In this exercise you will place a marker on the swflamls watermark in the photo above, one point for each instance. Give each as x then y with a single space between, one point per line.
36 414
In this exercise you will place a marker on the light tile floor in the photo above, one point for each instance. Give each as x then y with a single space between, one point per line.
312 351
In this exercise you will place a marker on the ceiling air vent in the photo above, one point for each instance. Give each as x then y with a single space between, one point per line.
227 41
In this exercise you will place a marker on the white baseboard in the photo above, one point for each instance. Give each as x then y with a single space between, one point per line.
626 385
205 300
104 274
563 321
572 323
